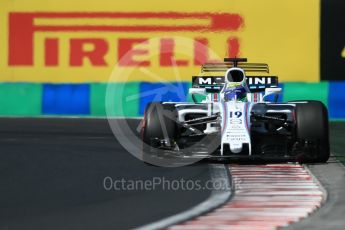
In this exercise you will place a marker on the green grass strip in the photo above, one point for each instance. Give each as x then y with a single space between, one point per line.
306 91
130 103
20 99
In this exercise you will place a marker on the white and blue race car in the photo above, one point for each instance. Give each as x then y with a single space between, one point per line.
238 118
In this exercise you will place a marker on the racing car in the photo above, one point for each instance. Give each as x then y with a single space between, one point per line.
236 116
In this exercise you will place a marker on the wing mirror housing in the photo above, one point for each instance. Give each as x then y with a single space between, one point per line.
270 91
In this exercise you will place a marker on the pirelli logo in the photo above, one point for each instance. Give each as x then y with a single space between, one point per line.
23 27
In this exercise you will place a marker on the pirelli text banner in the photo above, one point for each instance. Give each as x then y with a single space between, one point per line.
83 40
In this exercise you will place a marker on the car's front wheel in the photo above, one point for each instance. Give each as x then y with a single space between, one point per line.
159 130
312 130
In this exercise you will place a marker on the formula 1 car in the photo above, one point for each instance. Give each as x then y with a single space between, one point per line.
239 118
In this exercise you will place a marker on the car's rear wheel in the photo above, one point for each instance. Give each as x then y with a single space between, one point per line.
312 130
160 123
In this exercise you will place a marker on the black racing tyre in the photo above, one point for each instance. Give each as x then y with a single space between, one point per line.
312 126
160 122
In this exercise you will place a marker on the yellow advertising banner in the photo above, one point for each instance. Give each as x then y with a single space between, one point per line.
84 40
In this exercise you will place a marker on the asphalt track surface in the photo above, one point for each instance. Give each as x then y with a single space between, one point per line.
52 173
332 177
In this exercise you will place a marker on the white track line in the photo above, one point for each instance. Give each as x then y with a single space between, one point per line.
266 197
216 199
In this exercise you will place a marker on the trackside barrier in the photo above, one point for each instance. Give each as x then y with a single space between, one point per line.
35 99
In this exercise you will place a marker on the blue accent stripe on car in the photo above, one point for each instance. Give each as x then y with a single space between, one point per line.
225 115
66 99
247 116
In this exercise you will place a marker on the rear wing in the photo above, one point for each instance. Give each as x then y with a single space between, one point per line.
214 84
235 62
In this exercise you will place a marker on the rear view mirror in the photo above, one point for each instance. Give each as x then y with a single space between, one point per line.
200 91
270 91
